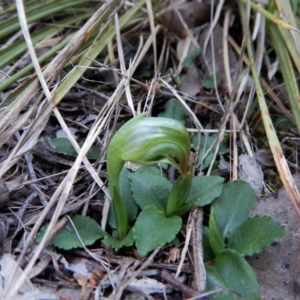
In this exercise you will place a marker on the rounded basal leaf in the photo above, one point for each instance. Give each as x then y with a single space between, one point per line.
232 273
64 146
150 170
255 234
205 189
67 238
233 206
174 110
149 189
127 241
153 229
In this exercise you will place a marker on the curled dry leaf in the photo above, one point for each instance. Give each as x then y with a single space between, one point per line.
207 56
190 83
265 157
251 172
192 13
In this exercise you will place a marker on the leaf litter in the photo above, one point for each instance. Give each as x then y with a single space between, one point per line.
92 104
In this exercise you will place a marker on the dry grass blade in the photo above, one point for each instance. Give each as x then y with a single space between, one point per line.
117 294
34 130
64 191
53 69
281 164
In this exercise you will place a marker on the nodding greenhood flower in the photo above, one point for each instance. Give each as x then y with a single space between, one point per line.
148 141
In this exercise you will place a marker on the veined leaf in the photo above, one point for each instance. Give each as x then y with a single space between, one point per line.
174 110
205 190
254 235
88 230
64 146
153 229
191 57
127 241
216 240
150 189
232 273
232 208
205 143
208 253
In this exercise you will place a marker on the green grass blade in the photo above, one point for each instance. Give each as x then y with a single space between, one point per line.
25 71
287 71
9 54
12 25
280 161
291 38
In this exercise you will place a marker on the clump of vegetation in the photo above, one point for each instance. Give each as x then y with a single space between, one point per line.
154 206
89 64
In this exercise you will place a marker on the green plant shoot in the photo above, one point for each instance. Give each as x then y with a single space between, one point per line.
147 141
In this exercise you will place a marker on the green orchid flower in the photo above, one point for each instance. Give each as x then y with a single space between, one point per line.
147 141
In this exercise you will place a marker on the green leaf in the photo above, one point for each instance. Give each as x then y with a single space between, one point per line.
150 189
88 229
208 253
205 190
173 243
184 209
208 82
64 146
232 208
232 273
93 153
179 193
114 167
174 110
215 237
151 170
205 142
153 229
191 57
254 235
127 241
126 194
